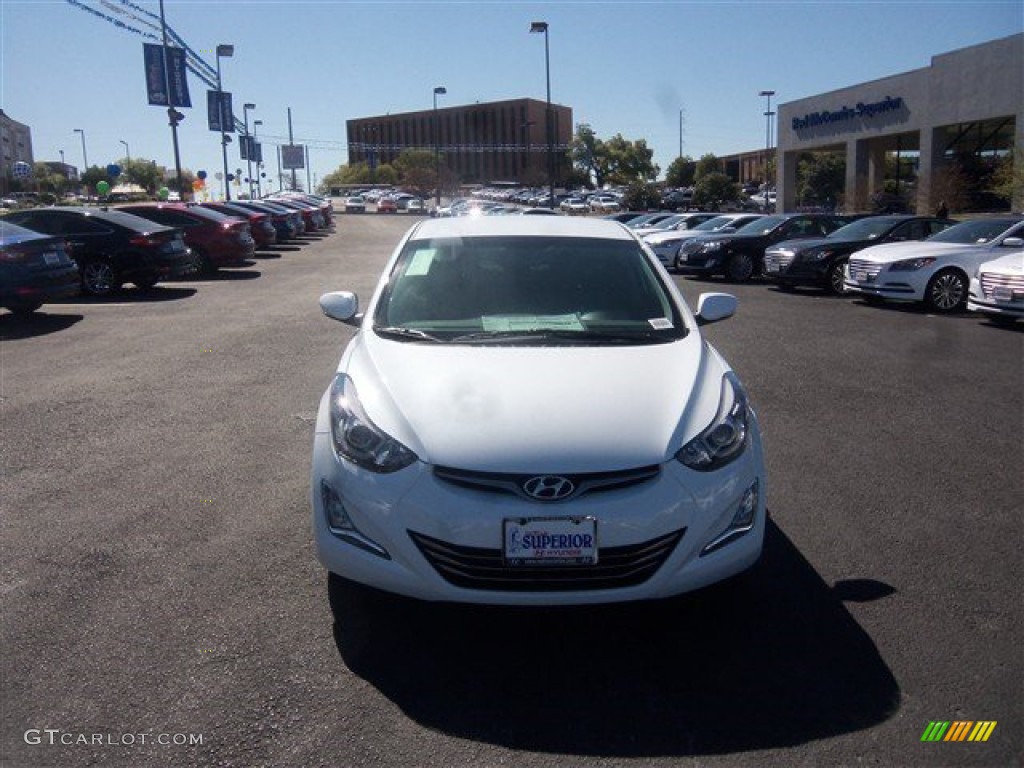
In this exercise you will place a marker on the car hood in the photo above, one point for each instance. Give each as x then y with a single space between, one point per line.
1010 264
890 252
660 238
537 409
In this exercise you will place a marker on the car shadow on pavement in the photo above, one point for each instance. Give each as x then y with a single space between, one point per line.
39 323
169 291
770 660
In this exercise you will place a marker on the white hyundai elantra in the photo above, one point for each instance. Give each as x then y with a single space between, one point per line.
528 414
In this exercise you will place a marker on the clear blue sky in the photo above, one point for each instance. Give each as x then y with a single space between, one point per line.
624 67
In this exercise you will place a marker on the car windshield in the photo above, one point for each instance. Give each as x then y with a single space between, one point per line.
711 225
870 228
974 232
526 289
761 226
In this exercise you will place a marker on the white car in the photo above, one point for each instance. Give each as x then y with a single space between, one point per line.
936 271
997 288
528 414
605 204
665 244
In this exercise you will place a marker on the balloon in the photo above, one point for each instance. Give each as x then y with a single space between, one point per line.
163 193
201 174
113 170
198 184
102 188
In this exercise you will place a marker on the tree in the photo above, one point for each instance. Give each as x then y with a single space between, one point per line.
707 164
713 189
92 176
821 178
641 196
616 161
1008 177
416 171
681 172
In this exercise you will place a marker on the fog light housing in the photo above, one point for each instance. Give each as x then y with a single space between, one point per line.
743 519
339 522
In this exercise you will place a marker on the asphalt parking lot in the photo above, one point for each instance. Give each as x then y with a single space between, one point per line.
162 605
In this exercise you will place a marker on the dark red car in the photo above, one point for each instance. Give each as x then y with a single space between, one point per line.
216 240
260 224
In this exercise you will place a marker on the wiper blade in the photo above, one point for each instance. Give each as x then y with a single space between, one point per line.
405 334
542 335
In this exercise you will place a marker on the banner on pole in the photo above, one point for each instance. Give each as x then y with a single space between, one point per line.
157 84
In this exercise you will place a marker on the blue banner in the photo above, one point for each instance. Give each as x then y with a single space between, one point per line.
157 84
222 119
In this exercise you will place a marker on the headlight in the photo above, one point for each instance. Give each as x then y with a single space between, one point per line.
725 438
712 246
814 255
357 438
911 265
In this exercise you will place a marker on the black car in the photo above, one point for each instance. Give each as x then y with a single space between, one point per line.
820 262
739 255
112 247
34 269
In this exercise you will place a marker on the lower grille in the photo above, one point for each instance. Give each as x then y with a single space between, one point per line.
480 568
1011 286
777 261
864 271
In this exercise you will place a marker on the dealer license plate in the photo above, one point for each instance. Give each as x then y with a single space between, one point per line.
550 541
51 258
1002 293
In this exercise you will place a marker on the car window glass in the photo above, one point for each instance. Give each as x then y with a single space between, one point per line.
529 284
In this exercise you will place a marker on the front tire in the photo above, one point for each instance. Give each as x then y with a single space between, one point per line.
836 276
99 278
740 267
947 291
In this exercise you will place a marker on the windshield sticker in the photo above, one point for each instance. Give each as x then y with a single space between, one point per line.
660 323
532 323
420 262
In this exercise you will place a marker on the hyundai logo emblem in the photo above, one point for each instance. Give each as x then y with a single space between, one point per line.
548 488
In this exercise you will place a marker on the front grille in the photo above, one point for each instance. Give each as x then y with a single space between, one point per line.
777 261
481 568
511 483
864 271
992 281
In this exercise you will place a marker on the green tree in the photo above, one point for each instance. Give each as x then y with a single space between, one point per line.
707 165
416 171
629 161
92 176
821 178
641 196
681 172
586 155
713 189
146 173
1008 177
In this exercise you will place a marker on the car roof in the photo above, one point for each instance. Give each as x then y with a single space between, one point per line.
542 226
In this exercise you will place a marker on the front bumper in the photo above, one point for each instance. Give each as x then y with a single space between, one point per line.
418 534
978 301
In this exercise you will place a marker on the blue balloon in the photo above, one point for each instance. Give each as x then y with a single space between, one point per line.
201 174
113 170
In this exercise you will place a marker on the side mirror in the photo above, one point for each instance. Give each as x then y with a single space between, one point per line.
342 306
712 307
1013 242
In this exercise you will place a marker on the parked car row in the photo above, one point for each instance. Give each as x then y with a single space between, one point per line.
947 266
49 253
385 201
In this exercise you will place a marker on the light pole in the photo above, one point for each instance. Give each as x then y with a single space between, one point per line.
259 160
85 157
226 52
535 28
248 144
127 152
438 91
767 140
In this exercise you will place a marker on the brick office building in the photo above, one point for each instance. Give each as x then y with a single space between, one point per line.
477 143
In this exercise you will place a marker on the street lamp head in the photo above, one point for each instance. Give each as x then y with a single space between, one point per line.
257 122
766 93
439 90
248 106
227 51
79 130
539 26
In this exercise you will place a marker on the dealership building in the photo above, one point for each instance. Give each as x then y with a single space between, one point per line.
477 143
967 101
